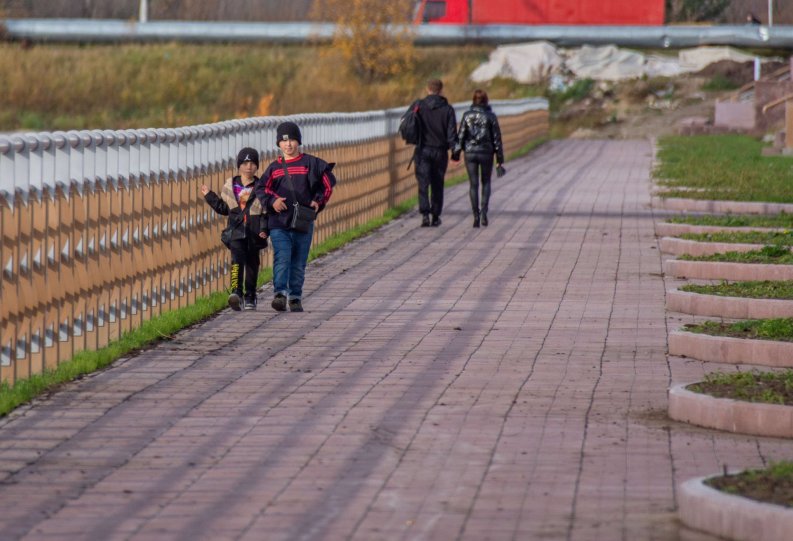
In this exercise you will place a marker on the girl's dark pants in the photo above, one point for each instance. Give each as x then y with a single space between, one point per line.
244 267
479 166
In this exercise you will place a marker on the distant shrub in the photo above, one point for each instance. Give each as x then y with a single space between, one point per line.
719 83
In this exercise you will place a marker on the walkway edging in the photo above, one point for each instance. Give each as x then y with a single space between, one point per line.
733 517
727 349
676 246
727 270
738 416
670 229
698 304
720 207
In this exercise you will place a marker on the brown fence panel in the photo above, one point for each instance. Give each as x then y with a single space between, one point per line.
81 269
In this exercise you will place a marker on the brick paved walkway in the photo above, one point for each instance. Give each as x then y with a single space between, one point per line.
446 383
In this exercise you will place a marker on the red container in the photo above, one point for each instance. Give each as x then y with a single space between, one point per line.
572 12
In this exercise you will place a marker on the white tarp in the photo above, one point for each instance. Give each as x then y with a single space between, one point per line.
607 63
525 63
701 57
536 61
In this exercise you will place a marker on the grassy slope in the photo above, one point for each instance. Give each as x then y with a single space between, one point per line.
49 87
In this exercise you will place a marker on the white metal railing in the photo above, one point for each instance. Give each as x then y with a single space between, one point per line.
36 164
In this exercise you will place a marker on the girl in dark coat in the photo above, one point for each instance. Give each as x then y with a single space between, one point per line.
480 138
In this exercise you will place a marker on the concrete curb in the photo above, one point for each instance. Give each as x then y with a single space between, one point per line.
724 270
737 416
726 349
732 517
667 229
719 207
697 304
676 246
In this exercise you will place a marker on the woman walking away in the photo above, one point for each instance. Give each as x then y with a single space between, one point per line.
480 139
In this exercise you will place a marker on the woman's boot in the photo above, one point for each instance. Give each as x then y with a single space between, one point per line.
484 218
476 219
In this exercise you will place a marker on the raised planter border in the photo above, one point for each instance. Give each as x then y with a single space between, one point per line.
727 270
730 516
669 229
698 304
737 416
676 246
731 350
683 204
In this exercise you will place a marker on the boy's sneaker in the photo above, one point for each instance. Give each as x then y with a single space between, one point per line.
250 304
234 302
295 305
279 302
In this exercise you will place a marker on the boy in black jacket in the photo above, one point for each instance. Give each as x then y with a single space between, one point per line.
299 178
247 225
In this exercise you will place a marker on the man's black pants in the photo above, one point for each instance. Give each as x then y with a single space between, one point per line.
431 164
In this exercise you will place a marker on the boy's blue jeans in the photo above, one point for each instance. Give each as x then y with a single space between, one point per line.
290 254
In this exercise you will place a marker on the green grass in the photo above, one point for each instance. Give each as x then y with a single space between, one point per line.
726 167
753 386
768 255
781 220
780 329
766 289
164 326
775 238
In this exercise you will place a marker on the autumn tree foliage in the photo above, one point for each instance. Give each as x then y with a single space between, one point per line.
374 37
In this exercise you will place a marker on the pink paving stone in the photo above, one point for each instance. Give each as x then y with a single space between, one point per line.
444 383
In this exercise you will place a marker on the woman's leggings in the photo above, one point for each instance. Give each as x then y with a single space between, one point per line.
479 164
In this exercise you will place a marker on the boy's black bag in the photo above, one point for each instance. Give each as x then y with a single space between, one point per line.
302 216
227 235
410 126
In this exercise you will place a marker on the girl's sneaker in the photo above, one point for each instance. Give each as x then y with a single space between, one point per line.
235 302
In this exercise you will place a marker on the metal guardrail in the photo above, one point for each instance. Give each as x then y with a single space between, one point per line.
33 164
112 30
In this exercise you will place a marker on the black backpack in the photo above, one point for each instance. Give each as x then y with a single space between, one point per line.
410 125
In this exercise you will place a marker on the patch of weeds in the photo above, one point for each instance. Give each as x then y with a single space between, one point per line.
753 386
719 83
765 289
777 238
773 484
780 329
782 220
768 255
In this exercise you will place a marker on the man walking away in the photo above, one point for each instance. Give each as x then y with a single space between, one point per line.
438 136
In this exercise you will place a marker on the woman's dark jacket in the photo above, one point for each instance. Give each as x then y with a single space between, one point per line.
480 133
227 205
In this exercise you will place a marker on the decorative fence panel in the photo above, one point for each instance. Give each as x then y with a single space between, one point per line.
102 230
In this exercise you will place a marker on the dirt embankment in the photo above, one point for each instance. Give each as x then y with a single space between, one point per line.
656 107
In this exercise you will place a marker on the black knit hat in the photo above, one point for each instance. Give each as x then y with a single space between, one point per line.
288 130
248 154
